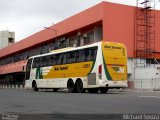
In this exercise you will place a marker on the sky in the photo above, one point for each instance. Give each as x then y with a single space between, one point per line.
26 17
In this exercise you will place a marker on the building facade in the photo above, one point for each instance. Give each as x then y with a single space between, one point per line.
102 22
6 38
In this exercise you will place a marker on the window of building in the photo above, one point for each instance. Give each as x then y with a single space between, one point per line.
10 40
88 37
72 40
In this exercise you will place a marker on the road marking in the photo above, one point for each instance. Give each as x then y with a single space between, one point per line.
150 97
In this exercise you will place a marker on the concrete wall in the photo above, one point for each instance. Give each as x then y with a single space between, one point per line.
142 71
5 37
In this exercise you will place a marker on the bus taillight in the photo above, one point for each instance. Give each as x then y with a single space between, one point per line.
100 71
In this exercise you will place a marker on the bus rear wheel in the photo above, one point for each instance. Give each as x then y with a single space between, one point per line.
71 86
79 86
103 90
93 90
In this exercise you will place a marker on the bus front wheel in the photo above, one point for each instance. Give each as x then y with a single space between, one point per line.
34 86
71 86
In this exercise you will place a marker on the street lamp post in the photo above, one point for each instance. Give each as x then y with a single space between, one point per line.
54 31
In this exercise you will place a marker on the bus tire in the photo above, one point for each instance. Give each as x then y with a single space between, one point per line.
93 90
104 90
34 86
55 89
79 86
71 86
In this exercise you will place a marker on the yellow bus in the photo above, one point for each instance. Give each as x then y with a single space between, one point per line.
98 66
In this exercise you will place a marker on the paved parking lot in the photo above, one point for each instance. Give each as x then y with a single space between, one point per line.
48 102
62 102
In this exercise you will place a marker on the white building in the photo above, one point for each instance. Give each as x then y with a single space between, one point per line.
6 38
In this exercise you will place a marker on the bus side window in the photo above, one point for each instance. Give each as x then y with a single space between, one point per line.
67 58
43 61
61 59
80 56
52 60
47 60
93 53
64 58
72 57
36 62
87 55
57 59
28 69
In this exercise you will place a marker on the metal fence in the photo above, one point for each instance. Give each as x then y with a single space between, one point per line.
153 84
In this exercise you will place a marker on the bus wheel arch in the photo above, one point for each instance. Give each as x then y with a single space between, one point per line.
34 85
79 86
71 86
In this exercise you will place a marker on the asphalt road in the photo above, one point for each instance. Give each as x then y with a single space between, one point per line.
45 102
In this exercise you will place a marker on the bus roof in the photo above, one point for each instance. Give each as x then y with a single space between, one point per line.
63 49
74 48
